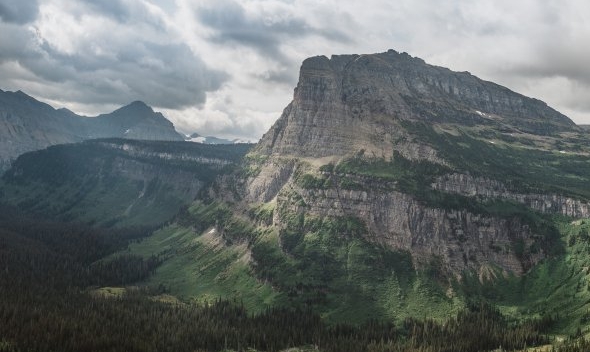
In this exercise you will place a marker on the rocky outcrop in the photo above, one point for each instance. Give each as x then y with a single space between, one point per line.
460 239
180 181
470 186
269 181
141 152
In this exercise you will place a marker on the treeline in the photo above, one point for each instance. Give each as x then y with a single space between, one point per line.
48 270
37 254
78 322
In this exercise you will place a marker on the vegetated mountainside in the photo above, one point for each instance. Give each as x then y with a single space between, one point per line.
115 182
51 270
392 188
27 124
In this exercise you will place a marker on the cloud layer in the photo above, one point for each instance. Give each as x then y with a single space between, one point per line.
228 67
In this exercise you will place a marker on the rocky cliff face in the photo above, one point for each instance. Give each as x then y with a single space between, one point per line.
491 189
368 107
27 124
353 102
462 240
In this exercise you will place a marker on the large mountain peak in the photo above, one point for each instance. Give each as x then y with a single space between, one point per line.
400 145
350 102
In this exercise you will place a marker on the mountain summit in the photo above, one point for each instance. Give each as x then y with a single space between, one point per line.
352 102
135 121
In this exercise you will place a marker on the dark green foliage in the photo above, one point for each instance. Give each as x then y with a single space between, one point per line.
77 322
203 216
263 214
123 270
63 255
44 308
47 266
329 168
115 182
309 181
521 169
410 175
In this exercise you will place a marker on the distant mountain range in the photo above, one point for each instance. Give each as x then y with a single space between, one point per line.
27 124
197 138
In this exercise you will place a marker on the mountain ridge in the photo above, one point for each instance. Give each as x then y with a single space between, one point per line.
114 182
29 124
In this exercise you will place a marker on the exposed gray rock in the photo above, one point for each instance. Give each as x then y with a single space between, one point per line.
468 185
359 102
461 240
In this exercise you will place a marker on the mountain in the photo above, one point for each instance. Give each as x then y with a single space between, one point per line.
114 182
27 124
134 121
391 188
394 205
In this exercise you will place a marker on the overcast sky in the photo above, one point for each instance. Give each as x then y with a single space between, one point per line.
228 67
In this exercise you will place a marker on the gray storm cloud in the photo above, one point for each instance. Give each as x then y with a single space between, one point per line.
18 11
110 68
263 33
185 57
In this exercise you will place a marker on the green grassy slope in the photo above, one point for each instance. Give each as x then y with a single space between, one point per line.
346 279
559 286
329 267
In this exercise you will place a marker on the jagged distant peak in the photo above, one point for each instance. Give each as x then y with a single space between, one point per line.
137 106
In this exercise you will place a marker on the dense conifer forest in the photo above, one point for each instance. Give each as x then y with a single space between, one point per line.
50 272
